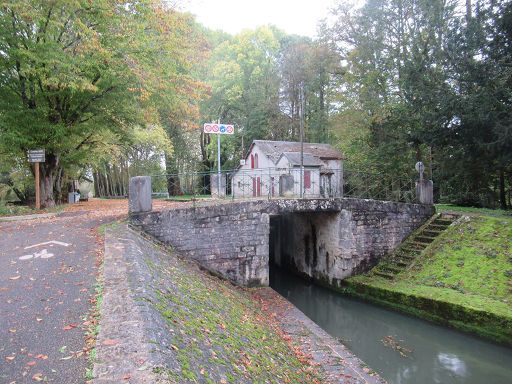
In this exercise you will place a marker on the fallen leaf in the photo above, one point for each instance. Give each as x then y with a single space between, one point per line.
110 342
14 277
38 377
70 326
41 356
12 330
39 319
67 357
127 377
31 363
174 347
10 358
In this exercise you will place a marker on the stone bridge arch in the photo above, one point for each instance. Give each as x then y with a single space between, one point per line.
325 239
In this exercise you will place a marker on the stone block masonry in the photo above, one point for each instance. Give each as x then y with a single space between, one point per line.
327 239
229 239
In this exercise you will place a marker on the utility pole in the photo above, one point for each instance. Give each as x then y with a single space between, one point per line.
302 140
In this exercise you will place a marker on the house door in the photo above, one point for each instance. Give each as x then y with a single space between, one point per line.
256 186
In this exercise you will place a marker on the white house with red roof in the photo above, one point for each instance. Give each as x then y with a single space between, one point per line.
273 168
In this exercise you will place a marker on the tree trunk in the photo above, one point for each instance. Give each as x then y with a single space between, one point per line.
468 10
96 184
49 172
173 180
503 196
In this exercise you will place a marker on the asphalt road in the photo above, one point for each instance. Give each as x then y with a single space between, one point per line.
47 277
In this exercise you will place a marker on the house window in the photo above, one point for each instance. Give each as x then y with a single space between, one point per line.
252 161
256 160
307 179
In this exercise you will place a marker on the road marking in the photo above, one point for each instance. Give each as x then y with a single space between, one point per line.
49 243
43 254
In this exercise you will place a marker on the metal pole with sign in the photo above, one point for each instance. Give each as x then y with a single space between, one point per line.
219 129
37 156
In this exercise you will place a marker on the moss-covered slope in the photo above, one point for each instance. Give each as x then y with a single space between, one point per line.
219 336
463 278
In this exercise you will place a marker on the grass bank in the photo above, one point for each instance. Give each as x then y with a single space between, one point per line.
463 279
19 210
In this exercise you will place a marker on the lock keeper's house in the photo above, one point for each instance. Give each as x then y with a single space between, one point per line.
272 168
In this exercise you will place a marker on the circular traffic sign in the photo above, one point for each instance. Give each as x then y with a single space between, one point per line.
215 128
207 128
222 129
229 129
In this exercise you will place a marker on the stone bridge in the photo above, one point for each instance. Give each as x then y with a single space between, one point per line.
325 239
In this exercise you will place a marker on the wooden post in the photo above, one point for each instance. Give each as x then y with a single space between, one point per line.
38 189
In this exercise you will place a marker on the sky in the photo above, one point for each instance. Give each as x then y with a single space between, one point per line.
292 16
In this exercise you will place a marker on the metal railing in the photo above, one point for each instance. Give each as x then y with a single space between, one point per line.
273 183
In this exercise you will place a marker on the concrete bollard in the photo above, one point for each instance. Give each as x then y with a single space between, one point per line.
139 194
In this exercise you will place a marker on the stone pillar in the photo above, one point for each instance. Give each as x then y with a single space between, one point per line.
216 190
425 191
139 194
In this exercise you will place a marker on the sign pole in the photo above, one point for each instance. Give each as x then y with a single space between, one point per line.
219 129
38 189
37 156
218 162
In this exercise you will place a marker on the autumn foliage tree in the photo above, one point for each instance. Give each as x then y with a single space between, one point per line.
76 75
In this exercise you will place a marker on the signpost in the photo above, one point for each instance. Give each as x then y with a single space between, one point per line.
219 129
37 156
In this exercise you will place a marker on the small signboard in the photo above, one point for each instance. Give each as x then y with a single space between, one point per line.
36 156
222 129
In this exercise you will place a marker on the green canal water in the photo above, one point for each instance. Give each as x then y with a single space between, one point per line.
433 354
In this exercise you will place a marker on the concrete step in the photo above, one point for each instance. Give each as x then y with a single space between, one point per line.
401 263
445 222
384 274
411 251
437 227
405 257
419 245
392 268
424 239
432 232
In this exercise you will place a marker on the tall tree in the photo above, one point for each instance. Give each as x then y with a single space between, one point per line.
72 72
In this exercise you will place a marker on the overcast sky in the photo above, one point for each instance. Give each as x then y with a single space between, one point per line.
293 16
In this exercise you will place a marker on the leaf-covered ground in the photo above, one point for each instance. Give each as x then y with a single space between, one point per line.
469 264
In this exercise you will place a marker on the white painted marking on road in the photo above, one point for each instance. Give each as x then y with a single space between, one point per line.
49 243
43 254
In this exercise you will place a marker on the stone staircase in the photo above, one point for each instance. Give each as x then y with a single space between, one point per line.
406 253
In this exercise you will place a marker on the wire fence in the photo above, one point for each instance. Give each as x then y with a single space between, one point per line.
273 183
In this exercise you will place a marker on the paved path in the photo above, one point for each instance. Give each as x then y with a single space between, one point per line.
47 275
